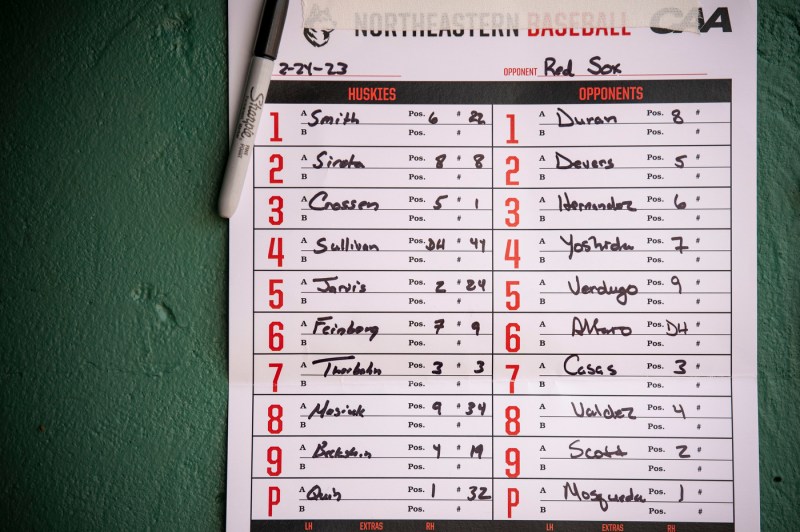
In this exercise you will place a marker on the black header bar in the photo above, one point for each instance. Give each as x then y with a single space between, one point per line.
499 92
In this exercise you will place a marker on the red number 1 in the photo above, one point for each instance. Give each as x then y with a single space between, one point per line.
276 136
512 139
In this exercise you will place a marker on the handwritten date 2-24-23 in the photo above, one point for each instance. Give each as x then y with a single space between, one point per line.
309 69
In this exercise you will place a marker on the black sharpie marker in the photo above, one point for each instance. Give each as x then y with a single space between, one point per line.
255 93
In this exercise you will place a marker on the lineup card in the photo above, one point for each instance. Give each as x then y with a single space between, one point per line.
497 277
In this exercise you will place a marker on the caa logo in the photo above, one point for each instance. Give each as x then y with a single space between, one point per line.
675 18
319 26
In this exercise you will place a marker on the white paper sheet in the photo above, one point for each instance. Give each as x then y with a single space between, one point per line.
491 275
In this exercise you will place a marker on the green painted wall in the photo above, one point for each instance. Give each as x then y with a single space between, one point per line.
113 372
778 256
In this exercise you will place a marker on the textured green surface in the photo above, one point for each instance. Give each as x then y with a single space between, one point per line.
778 255
113 380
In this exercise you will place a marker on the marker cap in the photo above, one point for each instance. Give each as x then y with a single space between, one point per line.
269 31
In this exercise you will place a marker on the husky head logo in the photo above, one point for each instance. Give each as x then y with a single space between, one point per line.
318 27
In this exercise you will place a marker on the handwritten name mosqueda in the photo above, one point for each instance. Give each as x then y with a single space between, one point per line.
574 492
